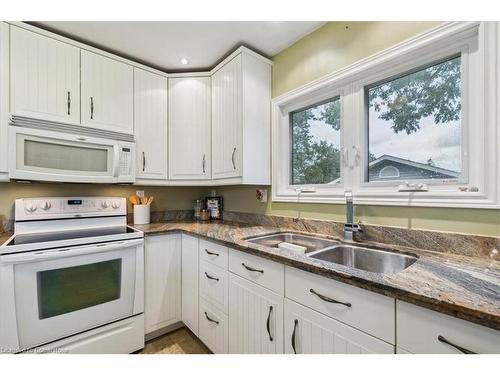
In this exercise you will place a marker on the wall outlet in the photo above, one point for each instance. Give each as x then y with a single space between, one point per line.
139 193
261 195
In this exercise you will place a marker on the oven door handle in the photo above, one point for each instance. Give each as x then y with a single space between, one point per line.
37 256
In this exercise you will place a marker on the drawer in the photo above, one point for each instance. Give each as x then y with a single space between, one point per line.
213 253
261 271
369 312
213 328
419 330
214 285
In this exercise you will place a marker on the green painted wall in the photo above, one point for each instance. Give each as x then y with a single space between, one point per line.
332 47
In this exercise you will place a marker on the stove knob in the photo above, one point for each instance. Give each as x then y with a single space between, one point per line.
30 207
104 204
116 205
45 205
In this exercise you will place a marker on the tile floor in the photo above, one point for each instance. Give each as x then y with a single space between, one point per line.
180 341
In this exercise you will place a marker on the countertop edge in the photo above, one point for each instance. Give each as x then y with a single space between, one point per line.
471 315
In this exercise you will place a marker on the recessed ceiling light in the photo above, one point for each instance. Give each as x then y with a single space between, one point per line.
184 61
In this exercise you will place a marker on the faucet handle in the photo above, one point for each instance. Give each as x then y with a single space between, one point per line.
348 195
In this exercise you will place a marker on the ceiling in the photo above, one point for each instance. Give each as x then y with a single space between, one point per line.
164 44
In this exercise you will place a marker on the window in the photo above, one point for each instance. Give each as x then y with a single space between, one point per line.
315 144
414 124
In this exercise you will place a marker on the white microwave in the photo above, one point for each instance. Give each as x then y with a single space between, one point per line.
48 155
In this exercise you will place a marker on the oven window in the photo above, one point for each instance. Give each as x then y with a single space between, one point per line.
65 157
64 290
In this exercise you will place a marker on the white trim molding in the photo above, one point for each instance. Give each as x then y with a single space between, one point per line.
478 186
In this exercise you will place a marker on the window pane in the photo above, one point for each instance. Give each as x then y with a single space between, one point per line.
316 144
63 290
414 125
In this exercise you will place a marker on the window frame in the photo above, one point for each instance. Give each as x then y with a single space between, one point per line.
476 43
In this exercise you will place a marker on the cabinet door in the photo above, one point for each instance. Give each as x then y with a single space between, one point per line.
255 318
309 332
150 121
162 281
4 99
45 77
227 120
107 93
190 282
189 128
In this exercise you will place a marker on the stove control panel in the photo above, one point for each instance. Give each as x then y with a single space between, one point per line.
48 208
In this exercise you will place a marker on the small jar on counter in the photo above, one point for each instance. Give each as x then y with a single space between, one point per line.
204 215
198 206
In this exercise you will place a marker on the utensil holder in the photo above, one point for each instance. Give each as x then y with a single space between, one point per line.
142 213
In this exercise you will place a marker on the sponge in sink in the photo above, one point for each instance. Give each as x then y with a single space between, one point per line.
292 247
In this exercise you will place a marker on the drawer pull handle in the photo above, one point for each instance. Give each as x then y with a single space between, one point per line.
210 319
295 324
69 103
251 268
462 349
268 323
328 299
211 277
210 253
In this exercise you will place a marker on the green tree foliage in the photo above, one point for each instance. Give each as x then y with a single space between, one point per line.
434 91
313 161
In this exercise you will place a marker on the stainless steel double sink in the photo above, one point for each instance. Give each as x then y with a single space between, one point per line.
359 257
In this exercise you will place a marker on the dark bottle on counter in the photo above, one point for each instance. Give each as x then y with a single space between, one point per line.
214 206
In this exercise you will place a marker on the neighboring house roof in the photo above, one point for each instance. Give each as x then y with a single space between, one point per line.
394 168
428 167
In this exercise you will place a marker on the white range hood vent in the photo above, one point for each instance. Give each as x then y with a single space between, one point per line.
34 123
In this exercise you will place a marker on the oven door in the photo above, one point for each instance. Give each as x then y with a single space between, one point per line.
50 156
65 291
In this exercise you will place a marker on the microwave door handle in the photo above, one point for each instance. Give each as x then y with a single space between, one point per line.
66 252
116 160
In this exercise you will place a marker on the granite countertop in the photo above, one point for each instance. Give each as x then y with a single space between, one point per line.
460 286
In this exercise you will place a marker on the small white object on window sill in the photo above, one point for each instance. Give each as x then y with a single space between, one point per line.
407 187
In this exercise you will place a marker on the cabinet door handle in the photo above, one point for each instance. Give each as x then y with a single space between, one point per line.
295 324
268 323
91 108
232 158
143 161
210 253
458 347
211 277
203 163
328 299
69 103
251 268
210 319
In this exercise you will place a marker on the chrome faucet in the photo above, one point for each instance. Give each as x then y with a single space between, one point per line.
349 227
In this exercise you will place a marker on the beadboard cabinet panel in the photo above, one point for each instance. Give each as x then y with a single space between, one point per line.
190 264
44 77
189 128
107 93
162 303
150 122
227 120
309 332
255 318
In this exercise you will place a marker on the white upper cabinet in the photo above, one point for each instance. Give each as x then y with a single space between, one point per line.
107 93
150 122
226 120
45 77
4 100
241 120
189 128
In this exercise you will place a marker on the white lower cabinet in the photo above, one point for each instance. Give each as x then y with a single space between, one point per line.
213 328
309 332
423 331
162 303
255 318
190 282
